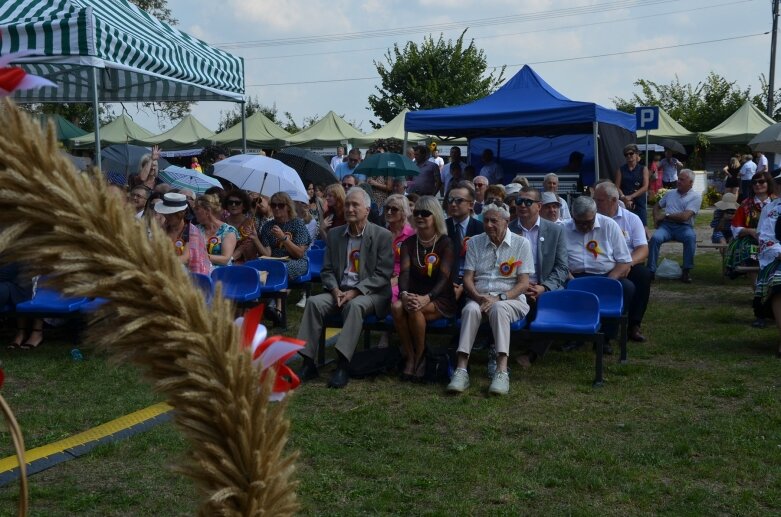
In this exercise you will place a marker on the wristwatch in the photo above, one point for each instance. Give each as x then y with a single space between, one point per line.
503 296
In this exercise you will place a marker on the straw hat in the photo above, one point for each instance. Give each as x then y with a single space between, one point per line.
171 204
729 201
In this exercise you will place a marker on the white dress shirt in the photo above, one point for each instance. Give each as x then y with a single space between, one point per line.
631 227
598 251
485 259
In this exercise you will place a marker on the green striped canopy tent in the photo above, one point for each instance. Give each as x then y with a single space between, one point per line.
111 51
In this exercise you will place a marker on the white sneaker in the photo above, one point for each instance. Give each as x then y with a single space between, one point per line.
459 382
302 302
501 384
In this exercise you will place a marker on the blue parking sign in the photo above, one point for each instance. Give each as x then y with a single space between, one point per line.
647 117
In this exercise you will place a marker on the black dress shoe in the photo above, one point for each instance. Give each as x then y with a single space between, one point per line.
308 371
635 335
685 278
339 378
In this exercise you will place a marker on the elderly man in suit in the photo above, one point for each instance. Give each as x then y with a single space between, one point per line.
549 249
356 273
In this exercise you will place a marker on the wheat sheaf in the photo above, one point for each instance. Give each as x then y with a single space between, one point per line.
68 226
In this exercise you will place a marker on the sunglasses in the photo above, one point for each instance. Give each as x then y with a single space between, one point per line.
347 185
422 213
758 182
277 205
494 201
233 202
630 153
524 201
456 200
480 185
392 209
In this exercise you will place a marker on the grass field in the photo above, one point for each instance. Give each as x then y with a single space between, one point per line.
692 425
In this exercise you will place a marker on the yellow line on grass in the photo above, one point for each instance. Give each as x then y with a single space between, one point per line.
96 433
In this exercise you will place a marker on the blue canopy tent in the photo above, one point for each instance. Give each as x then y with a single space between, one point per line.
526 106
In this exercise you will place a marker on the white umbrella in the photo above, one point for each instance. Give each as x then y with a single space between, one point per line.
180 177
768 141
262 175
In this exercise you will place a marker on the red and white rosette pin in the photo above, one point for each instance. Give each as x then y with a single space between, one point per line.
463 246
270 352
431 260
355 259
213 242
507 267
593 248
13 78
179 246
397 248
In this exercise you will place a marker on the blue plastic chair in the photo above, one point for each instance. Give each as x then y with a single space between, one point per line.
93 305
48 301
276 282
204 284
318 244
571 314
611 302
240 284
315 256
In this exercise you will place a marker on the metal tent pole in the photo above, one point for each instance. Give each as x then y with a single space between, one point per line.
243 128
595 126
96 117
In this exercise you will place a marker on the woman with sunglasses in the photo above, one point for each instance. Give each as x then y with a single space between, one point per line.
426 281
187 240
285 235
742 250
632 180
220 237
238 206
397 214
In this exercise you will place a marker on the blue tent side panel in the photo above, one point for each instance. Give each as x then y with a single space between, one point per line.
535 155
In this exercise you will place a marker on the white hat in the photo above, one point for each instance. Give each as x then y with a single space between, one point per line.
548 198
728 202
512 188
171 204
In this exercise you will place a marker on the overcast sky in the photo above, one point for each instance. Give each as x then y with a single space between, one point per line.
561 39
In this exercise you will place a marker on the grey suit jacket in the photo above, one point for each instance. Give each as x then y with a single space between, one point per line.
375 264
551 259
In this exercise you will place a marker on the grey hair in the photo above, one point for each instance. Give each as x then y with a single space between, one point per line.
367 200
609 188
688 173
549 176
401 200
502 209
583 206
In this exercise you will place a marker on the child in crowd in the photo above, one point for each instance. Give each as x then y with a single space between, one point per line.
722 219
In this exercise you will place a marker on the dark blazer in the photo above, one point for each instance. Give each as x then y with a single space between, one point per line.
473 227
375 264
551 259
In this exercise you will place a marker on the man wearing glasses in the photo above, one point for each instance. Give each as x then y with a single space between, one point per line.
597 247
481 185
549 250
674 217
496 276
461 226
348 182
348 167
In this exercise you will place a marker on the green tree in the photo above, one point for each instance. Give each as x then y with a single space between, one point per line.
435 74
699 107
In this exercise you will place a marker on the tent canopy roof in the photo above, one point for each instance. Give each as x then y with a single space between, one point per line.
329 130
526 105
668 128
743 125
187 133
137 57
121 130
261 132
393 129
65 129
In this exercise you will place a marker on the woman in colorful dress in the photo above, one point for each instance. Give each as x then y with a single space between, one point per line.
186 238
425 283
742 250
239 207
767 293
285 235
220 237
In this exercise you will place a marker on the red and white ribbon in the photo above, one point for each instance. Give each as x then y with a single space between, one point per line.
13 78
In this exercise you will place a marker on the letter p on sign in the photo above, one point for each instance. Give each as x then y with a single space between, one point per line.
647 117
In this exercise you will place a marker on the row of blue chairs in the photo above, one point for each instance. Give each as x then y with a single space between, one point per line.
576 313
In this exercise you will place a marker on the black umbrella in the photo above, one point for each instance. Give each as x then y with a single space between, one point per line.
125 159
673 145
310 166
